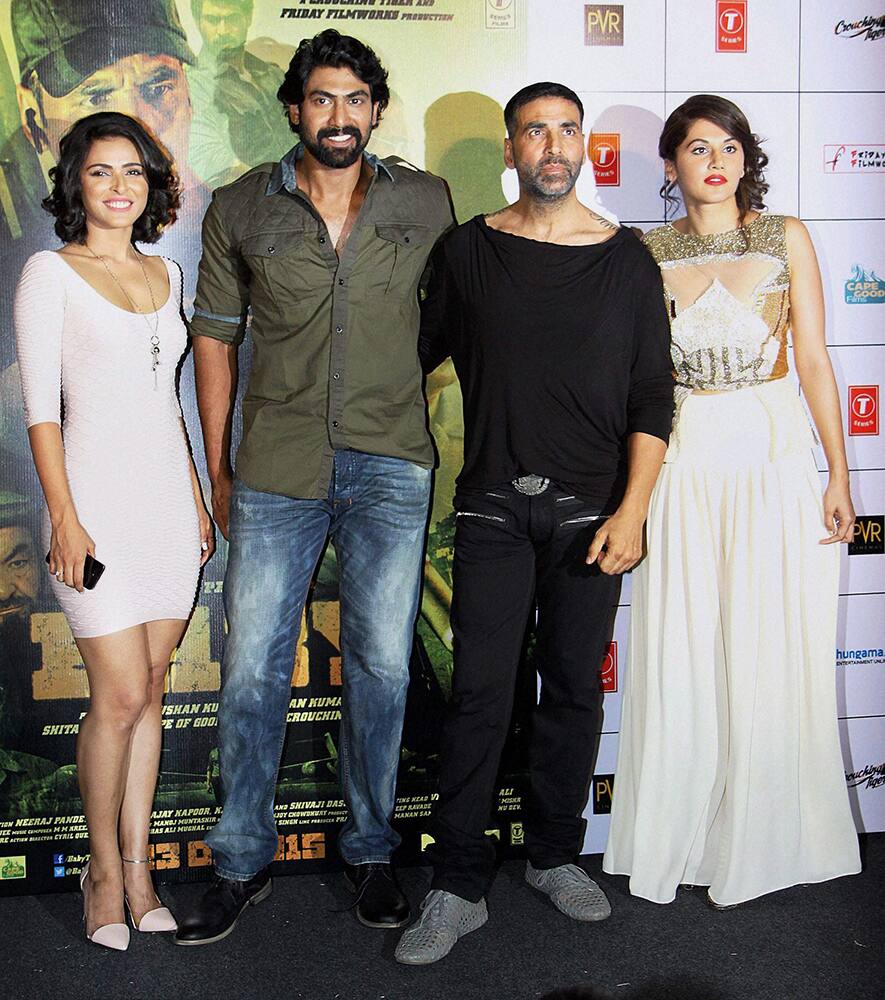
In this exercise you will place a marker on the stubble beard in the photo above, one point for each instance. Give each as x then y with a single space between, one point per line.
532 182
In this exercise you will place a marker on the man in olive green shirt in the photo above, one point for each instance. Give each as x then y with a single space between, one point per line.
325 251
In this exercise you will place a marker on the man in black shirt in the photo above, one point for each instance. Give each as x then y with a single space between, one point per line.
556 323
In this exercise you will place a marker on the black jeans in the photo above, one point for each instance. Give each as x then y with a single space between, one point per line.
513 552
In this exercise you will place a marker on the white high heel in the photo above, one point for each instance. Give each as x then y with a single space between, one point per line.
113 936
158 920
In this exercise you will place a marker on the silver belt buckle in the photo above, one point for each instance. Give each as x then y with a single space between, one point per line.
530 485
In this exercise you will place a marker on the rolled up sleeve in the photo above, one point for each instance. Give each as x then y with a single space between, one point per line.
222 299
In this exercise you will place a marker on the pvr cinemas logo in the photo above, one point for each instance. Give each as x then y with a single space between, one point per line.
608 672
603 786
863 410
731 25
869 536
604 150
603 24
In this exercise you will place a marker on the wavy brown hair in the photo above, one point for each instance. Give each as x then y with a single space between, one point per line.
752 188
65 200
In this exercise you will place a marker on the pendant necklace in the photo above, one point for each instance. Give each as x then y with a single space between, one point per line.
154 328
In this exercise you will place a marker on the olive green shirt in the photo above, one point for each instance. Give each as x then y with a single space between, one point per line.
334 342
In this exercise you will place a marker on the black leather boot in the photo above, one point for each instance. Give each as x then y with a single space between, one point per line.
379 900
222 903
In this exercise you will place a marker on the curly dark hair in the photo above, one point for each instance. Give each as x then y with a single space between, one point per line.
65 200
752 187
329 48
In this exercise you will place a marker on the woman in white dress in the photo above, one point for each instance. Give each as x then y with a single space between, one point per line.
729 770
99 336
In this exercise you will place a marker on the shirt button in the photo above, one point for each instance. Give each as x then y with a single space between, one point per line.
406 240
334 423
336 375
341 281
322 239
271 249
339 329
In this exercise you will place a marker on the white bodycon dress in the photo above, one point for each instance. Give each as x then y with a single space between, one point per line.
126 453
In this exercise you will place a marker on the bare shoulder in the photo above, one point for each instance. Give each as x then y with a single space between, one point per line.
503 219
798 240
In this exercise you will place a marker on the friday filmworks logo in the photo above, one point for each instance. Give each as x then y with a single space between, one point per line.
863 410
864 288
603 24
603 786
871 776
604 150
731 25
608 672
844 158
869 536
871 28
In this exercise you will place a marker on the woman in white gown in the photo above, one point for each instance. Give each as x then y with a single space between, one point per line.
99 336
729 771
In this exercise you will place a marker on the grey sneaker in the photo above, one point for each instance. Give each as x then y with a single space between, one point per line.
444 918
571 890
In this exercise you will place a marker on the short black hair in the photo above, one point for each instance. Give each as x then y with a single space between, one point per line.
329 48
65 200
531 93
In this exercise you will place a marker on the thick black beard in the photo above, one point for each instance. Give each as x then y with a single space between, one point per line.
336 158
530 182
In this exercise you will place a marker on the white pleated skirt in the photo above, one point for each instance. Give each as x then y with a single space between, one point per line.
729 768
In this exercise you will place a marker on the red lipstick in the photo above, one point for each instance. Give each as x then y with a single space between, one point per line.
715 179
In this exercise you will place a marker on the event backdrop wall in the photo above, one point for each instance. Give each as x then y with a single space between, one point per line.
810 76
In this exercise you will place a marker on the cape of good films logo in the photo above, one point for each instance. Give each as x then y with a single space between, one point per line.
844 158
863 410
869 536
14 866
869 28
603 24
608 672
863 657
864 288
500 14
731 25
604 151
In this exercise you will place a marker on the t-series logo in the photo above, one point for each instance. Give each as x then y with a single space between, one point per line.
869 536
608 672
604 150
731 25
603 24
864 288
863 410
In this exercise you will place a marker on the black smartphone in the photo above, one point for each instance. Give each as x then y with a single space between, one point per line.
92 570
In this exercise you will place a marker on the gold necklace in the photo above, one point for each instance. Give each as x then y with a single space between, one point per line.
155 338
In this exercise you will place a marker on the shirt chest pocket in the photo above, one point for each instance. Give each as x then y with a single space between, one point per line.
285 267
398 252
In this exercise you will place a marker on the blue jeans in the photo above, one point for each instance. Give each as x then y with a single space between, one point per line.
375 514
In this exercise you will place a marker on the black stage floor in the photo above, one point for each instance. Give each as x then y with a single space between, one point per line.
817 942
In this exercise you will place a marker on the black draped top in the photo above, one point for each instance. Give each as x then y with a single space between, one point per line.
562 352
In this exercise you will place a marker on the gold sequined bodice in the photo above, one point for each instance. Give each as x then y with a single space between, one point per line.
728 297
